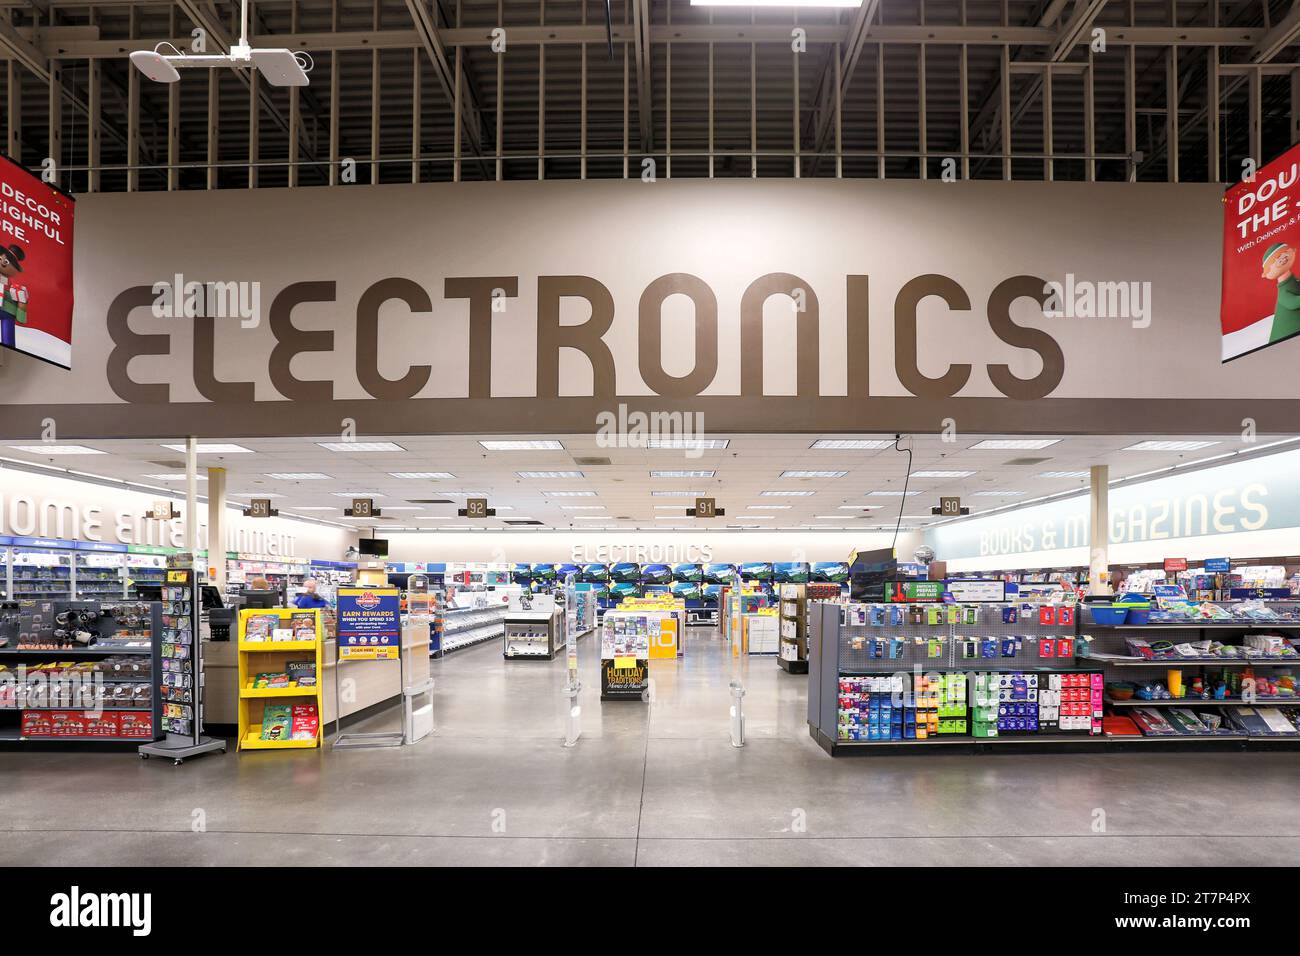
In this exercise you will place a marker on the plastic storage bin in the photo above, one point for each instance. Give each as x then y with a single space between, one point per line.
1108 616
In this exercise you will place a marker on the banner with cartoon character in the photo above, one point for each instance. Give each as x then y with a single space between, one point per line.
35 266
1261 276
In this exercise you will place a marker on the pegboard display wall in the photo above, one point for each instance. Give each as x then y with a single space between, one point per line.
875 638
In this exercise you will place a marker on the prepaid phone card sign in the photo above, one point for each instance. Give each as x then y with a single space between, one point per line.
369 624
35 266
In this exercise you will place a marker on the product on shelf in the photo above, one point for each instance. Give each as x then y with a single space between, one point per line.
301 673
305 722
303 627
260 627
276 721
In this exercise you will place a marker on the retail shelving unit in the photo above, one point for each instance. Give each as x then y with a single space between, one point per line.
101 693
463 626
840 650
580 613
1014 686
534 635
41 572
1111 643
793 653
269 655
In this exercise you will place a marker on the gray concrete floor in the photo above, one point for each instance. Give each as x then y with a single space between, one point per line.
648 784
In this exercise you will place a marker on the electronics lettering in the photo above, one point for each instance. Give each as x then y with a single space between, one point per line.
587 337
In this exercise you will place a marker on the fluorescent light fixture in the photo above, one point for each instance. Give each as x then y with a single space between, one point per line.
252 494
174 476
582 507
670 507
1062 474
591 517
760 518
360 446
675 494
53 449
1202 461
999 493
568 494
942 474
769 508
843 4
433 518
688 444
859 507
534 444
214 448
682 474
787 494
850 444
893 494
1012 444
549 474
402 508
357 494
421 475
1170 445
813 474
298 476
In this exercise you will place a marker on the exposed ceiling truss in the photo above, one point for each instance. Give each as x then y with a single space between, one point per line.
450 90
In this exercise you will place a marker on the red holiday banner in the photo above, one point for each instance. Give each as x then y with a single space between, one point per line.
35 266
1260 303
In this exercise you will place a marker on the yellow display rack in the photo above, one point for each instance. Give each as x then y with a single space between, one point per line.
260 656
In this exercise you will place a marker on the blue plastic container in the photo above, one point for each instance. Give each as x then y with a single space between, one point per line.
1107 616
1138 615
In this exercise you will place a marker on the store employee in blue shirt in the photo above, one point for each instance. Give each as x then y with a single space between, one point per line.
309 598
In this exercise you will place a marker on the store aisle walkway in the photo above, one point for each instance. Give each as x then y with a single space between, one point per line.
648 784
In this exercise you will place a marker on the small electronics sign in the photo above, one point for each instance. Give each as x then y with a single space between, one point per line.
35 266
369 624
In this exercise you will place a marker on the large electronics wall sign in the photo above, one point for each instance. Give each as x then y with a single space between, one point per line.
35 266
1261 277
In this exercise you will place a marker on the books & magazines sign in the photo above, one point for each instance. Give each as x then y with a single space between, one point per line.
369 624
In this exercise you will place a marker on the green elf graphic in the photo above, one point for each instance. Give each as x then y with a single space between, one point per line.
1278 261
13 294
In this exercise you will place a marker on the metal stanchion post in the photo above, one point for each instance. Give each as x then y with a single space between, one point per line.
737 714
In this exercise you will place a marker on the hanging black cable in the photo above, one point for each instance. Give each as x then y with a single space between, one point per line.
902 504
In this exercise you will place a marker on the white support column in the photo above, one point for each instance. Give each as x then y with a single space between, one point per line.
217 528
191 494
1099 530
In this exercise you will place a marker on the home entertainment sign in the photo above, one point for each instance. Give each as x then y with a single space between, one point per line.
839 305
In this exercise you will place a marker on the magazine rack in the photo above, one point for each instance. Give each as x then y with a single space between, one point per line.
263 654
178 674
